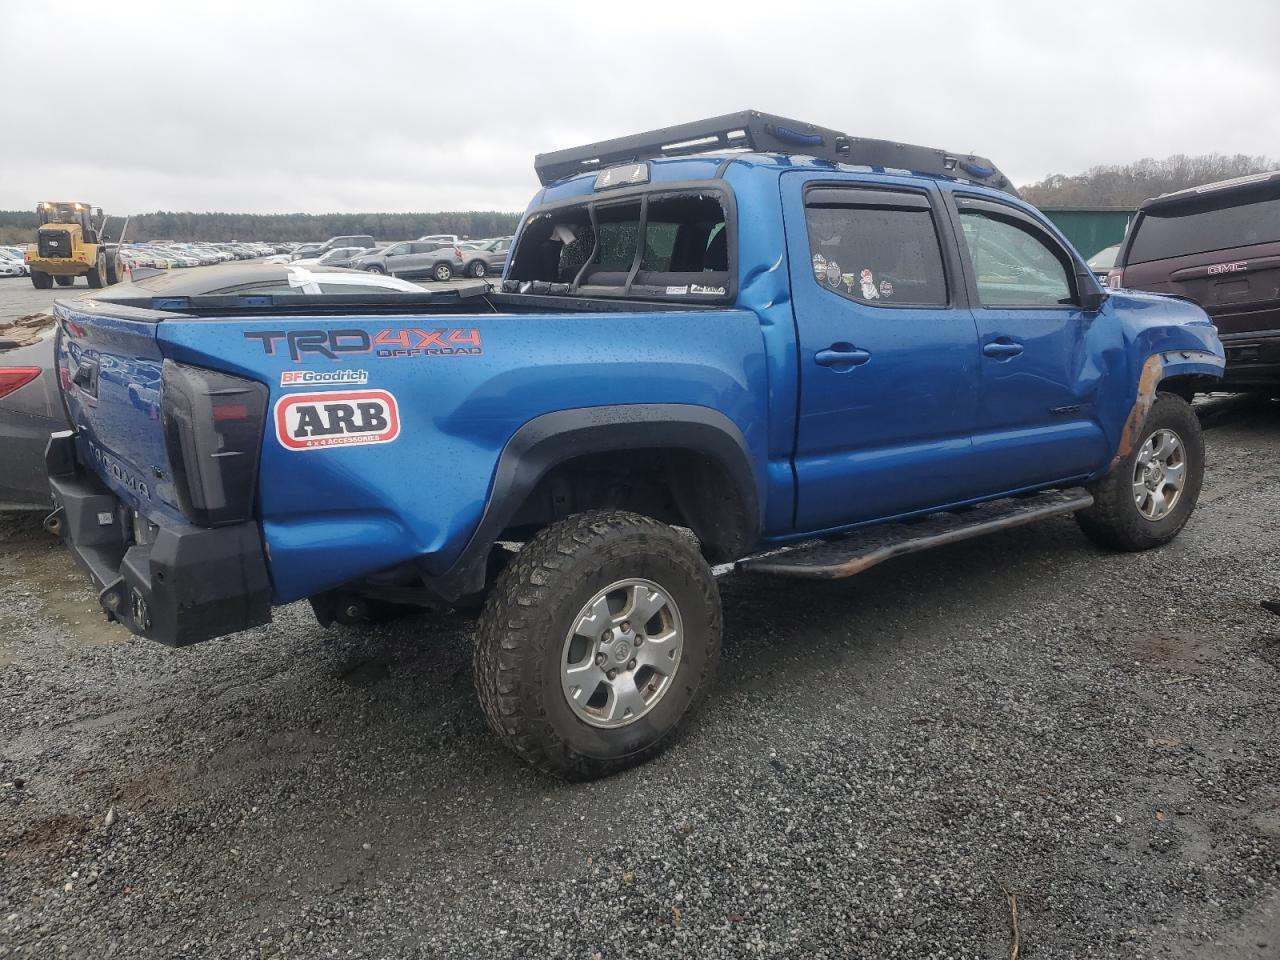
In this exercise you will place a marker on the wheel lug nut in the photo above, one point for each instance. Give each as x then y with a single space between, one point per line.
631 664
606 636
612 674
626 626
600 658
638 640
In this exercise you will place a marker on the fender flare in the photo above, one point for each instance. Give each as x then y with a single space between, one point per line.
554 438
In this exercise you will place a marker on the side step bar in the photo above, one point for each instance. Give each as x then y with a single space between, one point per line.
855 552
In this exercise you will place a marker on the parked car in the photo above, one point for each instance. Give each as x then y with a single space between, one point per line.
759 350
443 239
30 409
413 258
1102 262
334 243
487 258
1218 245
12 268
337 257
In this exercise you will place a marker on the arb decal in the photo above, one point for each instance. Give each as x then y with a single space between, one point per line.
312 421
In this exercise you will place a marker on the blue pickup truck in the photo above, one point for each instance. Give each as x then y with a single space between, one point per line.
746 340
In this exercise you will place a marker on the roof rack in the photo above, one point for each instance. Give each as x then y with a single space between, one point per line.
765 133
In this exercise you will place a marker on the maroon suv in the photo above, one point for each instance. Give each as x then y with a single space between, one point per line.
1218 245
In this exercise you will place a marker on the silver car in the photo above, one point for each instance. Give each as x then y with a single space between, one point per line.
413 258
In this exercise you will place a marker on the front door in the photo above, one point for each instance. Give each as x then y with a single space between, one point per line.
888 350
1036 421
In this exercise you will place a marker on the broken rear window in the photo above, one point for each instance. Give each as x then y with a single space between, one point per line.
658 245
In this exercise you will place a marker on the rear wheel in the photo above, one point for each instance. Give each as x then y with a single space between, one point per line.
374 268
41 280
1148 496
443 272
113 270
64 281
98 274
598 640
477 269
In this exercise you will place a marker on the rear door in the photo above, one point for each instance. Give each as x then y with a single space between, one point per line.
888 350
1035 419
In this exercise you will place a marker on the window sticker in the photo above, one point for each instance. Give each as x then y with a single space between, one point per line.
886 289
868 281
820 267
833 273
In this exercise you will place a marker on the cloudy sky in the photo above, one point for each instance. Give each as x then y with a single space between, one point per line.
399 105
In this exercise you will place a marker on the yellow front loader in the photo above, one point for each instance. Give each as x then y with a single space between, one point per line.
68 245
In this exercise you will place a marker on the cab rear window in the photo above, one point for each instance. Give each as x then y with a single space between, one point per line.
1203 228
667 245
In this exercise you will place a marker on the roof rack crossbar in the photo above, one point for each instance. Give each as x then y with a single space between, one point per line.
765 133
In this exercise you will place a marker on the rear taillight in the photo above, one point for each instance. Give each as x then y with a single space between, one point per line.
457 252
1113 279
213 425
15 378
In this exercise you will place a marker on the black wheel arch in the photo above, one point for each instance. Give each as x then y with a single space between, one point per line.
714 484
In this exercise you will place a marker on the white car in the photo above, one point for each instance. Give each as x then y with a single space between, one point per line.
12 268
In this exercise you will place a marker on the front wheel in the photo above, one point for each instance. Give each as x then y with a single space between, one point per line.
443 272
374 268
41 280
477 269
98 274
598 640
1150 493
63 280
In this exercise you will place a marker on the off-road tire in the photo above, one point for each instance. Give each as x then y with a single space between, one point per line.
113 270
1114 521
97 274
442 272
520 638
41 280
477 270
63 280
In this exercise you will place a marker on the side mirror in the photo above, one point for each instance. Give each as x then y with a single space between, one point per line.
97 211
1092 297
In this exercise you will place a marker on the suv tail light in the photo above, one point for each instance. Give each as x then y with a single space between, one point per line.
457 252
14 378
213 425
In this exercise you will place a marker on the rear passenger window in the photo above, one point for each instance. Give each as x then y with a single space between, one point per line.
1012 265
880 255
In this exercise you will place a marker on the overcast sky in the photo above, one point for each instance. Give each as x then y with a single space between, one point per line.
414 106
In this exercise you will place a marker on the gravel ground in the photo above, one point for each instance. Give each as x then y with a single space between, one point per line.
887 766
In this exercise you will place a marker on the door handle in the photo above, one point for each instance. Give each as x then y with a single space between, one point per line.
1002 348
841 356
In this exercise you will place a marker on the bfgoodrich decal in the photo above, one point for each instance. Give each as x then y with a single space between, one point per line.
339 418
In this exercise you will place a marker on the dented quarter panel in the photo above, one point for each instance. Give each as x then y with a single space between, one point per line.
333 514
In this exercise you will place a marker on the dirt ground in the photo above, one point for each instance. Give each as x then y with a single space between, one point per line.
889 767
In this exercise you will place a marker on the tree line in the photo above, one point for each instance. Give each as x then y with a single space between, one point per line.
1127 185
1114 185
18 226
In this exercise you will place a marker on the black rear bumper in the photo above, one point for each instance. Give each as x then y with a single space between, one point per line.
185 585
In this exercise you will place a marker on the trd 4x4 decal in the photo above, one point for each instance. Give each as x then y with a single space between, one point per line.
339 418
386 343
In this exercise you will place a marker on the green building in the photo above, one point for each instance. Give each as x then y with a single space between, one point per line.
1091 228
